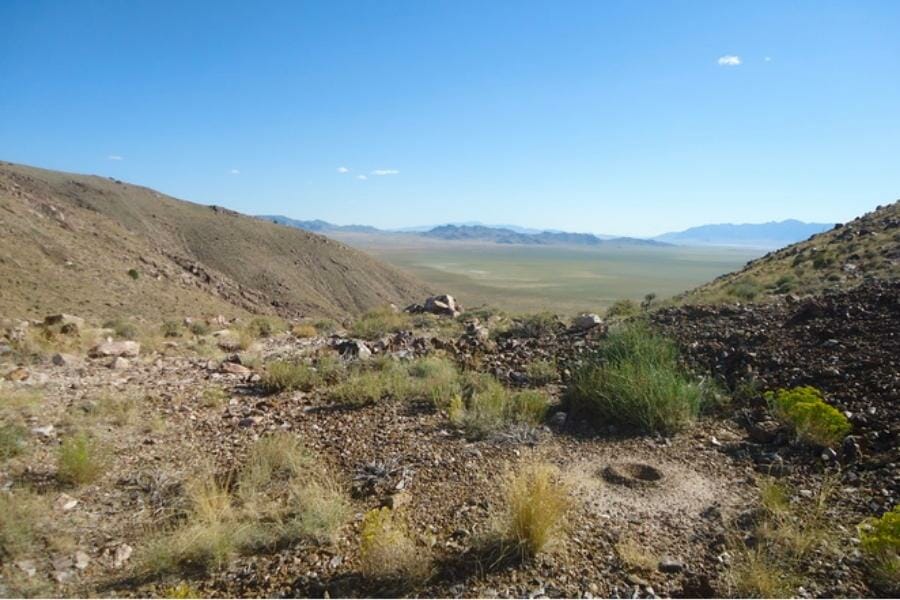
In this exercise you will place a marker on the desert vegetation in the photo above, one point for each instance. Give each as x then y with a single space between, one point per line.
636 380
807 413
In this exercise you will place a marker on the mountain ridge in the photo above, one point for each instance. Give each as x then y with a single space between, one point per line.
71 241
771 234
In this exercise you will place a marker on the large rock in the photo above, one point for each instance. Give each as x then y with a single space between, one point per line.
65 321
586 321
126 348
355 348
444 304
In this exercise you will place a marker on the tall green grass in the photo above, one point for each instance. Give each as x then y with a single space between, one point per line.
636 381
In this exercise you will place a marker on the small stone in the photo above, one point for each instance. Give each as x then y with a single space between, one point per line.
234 368
558 419
45 431
670 565
119 364
65 503
123 553
18 374
249 421
27 567
82 560
61 360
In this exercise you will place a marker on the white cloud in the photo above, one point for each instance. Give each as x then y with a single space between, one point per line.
234 172
381 172
729 60
114 157
361 177
343 170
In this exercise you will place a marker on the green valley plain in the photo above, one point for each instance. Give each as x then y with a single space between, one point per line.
564 279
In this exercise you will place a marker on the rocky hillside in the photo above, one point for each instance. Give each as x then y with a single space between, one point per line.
101 248
864 249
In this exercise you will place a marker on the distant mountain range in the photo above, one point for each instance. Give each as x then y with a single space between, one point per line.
748 235
547 238
751 235
319 226
472 233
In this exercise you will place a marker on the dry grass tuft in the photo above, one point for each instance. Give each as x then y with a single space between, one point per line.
304 330
21 520
282 493
537 501
388 553
81 459
379 322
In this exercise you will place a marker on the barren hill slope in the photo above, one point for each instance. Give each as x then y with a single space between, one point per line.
864 249
100 247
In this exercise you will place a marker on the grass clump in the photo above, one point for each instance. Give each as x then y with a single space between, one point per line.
171 329
636 382
304 330
367 386
387 551
200 328
284 376
814 420
21 515
880 542
80 459
486 407
768 563
536 503
541 372
536 325
623 309
213 397
122 328
745 289
435 379
264 327
379 322
283 493
13 438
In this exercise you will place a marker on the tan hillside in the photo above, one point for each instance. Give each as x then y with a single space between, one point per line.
866 248
100 247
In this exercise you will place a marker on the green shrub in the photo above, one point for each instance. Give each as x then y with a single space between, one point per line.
541 372
486 407
746 289
122 328
81 459
21 514
537 325
637 382
804 409
171 329
284 376
367 386
325 326
12 440
134 274
623 309
330 368
435 379
379 322
880 541
200 328
264 326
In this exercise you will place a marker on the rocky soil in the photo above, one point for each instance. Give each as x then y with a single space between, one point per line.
674 499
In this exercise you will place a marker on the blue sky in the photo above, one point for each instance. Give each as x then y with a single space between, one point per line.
611 117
